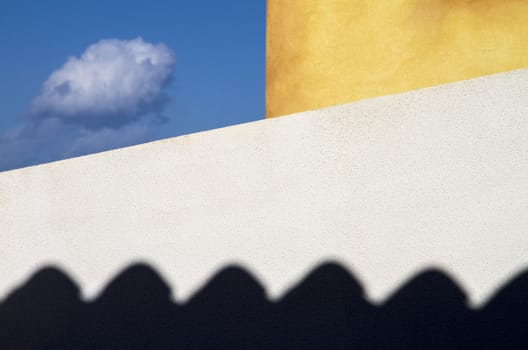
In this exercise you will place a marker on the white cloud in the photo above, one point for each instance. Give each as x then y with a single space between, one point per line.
112 83
111 96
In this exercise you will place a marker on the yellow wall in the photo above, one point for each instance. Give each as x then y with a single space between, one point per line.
327 52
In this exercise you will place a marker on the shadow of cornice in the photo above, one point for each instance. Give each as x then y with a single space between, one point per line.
327 309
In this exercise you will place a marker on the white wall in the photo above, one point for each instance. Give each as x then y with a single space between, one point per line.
388 186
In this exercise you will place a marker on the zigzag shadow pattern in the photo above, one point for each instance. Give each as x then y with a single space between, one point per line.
327 310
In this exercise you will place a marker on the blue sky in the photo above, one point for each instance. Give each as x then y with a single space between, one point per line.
212 73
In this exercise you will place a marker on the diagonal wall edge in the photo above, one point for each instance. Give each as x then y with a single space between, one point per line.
387 186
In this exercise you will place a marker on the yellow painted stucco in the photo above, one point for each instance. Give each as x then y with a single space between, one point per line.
327 52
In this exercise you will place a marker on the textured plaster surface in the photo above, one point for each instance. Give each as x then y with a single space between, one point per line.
323 53
387 186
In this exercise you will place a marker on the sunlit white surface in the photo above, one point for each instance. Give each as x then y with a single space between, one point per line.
387 186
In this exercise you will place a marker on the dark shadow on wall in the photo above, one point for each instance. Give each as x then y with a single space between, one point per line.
327 310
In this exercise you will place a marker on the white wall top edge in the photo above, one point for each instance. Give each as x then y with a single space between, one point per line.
386 186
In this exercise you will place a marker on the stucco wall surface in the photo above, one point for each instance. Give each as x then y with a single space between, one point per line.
386 186
323 53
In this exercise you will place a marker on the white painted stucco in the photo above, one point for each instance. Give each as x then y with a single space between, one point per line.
387 186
